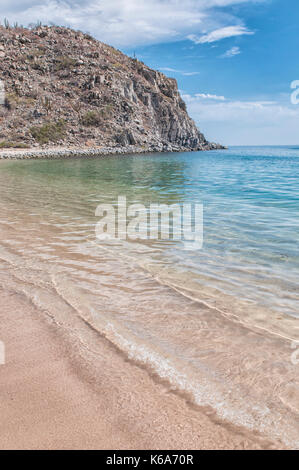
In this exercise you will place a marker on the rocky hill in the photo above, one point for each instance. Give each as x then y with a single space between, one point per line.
64 88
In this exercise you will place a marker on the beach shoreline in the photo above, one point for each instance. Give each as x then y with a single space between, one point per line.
88 152
109 347
67 152
57 395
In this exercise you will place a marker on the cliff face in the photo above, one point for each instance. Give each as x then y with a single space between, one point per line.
63 87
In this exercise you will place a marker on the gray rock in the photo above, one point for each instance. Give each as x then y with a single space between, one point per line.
55 75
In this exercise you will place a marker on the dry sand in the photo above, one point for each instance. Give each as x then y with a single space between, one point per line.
56 395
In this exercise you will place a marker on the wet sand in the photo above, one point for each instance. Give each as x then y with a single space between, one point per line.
58 394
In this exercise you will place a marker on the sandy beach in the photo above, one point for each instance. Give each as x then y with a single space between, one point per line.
56 395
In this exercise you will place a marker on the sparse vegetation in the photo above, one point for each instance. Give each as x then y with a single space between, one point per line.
77 106
14 99
16 145
35 53
64 63
49 132
47 104
6 23
62 87
96 118
118 65
91 118
107 111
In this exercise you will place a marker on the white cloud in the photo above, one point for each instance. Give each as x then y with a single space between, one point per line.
221 33
204 96
254 122
231 52
190 74
129 23
181 72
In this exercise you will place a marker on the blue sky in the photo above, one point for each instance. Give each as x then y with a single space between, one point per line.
234 60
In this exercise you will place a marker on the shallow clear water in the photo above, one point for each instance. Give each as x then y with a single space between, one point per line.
251 211
192 316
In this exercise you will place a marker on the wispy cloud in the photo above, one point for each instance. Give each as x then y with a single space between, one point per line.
181 72
226 104
202 96
221 33
244 122
129 23
231 52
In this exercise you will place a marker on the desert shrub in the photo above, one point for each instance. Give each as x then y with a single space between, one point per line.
91 118
17 145
47 104
40 51
107 111
118 65
14 99
64 63
37 65
32 95
49 132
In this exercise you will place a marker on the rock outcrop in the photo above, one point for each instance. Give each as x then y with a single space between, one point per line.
65 88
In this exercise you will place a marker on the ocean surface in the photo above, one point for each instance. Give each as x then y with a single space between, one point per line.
218 322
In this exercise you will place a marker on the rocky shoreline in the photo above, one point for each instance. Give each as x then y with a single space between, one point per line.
64 152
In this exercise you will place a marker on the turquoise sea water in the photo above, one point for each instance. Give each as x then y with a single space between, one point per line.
251 211
251 221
